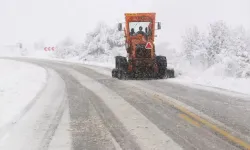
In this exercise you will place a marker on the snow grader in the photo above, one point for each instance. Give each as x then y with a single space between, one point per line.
141 60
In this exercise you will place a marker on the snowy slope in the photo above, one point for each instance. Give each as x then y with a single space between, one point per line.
19 84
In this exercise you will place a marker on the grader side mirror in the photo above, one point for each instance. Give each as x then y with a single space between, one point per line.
119 26
158 25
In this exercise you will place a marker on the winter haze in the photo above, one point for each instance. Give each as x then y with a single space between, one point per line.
206 41
79 95
52 20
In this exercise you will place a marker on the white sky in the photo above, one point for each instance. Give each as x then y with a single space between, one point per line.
177 15
52 20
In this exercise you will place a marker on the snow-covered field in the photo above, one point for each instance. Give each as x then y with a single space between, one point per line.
19 84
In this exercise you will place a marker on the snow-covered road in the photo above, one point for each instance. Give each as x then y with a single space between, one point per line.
83 107
19 85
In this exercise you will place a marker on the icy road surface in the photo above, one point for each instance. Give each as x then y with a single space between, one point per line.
82 107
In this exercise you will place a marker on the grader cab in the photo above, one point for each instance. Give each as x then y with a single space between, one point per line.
139 30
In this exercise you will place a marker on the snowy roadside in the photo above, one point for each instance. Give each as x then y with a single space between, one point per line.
19 84
202 80
99 63
211 82
205 80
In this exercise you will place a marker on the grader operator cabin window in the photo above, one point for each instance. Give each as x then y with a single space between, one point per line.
139 28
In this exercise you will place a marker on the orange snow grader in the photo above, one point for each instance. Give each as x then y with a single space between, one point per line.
141 60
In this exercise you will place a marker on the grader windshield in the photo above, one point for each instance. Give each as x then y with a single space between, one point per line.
139 24
139 28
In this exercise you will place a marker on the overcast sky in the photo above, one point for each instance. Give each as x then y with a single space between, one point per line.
52 20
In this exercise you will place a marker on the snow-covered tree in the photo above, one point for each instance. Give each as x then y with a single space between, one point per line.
248 41
102 44
221 46
104 41
238 52
66 49
217 41
194 46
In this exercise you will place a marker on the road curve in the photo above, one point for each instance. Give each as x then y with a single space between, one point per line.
83 107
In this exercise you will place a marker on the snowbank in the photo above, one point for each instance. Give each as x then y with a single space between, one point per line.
19 84
217 75
210 79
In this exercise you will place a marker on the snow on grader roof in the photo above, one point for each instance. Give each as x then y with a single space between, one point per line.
140 17
139 14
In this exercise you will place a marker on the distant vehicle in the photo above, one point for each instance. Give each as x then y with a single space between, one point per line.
142 61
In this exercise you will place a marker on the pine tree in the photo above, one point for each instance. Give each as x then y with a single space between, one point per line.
194 46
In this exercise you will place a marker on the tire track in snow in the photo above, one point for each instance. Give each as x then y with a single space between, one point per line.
145 133
29 132
88 132
231 128
53 126
81 109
